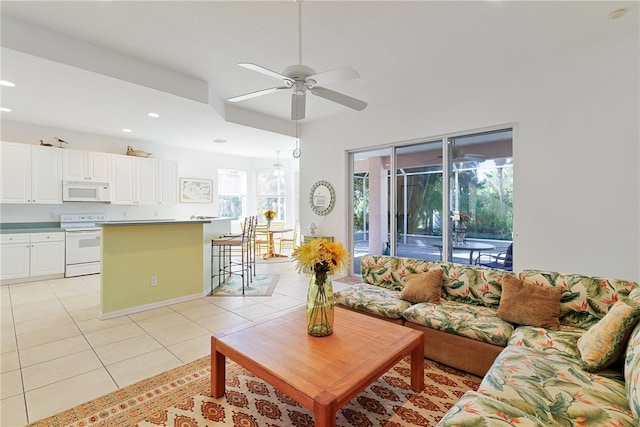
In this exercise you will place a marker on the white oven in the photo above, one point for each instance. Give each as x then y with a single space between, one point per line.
82 243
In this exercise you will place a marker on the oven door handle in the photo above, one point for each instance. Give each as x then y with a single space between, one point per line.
75 233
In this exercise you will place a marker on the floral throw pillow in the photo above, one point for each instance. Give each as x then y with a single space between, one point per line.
423 287
605 342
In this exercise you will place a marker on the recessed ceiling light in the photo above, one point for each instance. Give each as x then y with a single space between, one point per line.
126 130
154 115
219 141
619 13
5 110
7 83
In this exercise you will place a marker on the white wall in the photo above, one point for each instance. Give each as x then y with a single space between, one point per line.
191 164
576 152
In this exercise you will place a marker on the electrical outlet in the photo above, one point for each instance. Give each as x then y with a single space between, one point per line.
52 215
154 280
156 213
124 214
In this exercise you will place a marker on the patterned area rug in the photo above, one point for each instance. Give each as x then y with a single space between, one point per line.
351 280
262 285
180 398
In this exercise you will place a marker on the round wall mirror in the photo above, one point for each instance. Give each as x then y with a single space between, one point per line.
322 197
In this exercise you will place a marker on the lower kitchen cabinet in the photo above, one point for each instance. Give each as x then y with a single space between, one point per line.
30 255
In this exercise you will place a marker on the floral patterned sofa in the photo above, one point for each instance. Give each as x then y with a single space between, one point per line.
462 331
534 376
539 380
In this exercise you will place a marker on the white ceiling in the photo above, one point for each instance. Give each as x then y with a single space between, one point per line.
100 66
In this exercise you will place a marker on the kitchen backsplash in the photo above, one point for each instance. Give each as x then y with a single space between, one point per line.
51 213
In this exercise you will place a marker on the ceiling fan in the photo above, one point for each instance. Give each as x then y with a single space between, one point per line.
460 156
300 79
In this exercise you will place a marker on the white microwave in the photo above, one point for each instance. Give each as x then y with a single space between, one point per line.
86 192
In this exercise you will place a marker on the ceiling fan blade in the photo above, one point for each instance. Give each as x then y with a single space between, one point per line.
256 94
338 97
265 71
339 74
298 105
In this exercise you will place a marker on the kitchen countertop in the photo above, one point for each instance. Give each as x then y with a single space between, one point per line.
30 227
162 221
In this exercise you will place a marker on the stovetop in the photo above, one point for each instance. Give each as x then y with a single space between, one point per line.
81 221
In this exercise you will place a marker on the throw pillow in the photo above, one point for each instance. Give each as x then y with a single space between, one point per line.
423 287
605 342
527 304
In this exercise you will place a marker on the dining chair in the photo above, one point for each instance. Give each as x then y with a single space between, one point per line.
290 242
261 240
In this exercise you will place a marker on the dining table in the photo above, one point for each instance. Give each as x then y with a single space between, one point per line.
271 253
468 246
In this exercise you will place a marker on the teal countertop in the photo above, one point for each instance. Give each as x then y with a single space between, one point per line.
162 222
30 227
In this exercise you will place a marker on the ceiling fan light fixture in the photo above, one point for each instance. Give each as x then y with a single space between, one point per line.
278 168
302 78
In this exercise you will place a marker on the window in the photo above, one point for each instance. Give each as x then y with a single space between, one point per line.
270 192
232 193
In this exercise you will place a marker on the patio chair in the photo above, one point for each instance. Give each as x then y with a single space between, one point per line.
502 260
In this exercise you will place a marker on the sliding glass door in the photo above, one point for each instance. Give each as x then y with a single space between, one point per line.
371 207
448 199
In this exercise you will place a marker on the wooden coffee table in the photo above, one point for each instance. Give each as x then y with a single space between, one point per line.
322 374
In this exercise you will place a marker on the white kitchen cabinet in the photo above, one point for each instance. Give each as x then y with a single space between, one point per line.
135 180
31 174
168 185
25 255
14 259
82 165
47 254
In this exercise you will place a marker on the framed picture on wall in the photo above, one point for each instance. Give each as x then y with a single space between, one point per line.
194 190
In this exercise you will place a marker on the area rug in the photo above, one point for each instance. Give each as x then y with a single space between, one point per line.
351 280
180 398
262 285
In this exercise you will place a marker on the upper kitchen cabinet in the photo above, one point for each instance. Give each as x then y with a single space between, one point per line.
82 165
135 180
30 174
168 185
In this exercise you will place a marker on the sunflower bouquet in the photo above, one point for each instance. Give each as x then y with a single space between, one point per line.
269 214
320 256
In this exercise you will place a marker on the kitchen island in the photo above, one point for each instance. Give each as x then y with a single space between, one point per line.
150 264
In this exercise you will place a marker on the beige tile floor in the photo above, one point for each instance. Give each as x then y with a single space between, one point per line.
56 353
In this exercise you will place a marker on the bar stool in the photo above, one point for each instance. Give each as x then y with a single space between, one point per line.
227 249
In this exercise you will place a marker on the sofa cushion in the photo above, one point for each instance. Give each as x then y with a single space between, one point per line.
467 320
553 389
563 341
471 284
632 364
605 342
477 409
529 304
632 372
423 287
585 300
390 272
372 299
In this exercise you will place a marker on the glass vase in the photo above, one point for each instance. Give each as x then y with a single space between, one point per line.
320 305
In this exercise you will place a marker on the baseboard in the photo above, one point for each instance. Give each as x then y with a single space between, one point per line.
151 306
